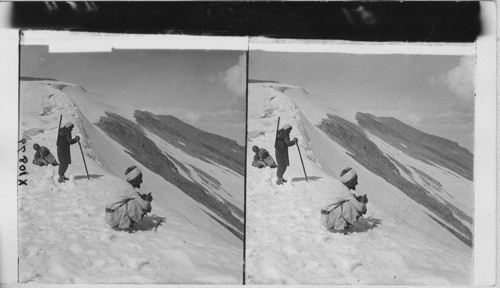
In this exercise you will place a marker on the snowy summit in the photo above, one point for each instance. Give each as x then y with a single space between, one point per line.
418 225
194 233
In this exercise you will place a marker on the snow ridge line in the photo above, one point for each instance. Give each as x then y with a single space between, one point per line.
297 118
286 243
63 237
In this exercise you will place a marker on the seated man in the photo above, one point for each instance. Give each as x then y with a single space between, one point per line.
262 158
132 206
43 157
346 207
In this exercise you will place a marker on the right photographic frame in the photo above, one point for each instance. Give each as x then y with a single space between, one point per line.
360 164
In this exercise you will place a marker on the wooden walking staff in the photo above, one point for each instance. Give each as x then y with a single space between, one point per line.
59 129
277 127
297 144
84 163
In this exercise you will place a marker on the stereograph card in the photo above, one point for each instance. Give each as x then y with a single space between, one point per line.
246 156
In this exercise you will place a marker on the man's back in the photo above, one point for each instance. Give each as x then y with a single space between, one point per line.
44 151
340 192
126 191
282 140
127 206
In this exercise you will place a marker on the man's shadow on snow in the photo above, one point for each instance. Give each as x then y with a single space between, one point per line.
91 176
310 178
149 223
364 224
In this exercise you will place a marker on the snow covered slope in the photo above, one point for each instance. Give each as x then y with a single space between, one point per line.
63 236
416 231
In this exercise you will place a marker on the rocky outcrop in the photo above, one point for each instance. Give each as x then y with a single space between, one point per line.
195 142
422 146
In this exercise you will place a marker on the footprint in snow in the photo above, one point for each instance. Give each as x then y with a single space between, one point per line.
106 236
113 238
133 262
85 264
328 239
141 264
76 249
98 263
311 265
134 246
355 265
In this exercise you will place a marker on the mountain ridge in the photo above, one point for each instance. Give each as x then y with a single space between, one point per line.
423 146
365 152
418 225
194 243
193 140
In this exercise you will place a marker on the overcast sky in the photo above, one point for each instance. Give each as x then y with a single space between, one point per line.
203 88
432 93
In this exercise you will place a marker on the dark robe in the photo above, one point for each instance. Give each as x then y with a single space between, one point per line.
64 140
281 147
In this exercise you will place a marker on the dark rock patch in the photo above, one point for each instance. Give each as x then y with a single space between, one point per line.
425 147
198 143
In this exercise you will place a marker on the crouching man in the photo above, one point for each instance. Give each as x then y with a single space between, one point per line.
262 158
43 157
132 206
346 207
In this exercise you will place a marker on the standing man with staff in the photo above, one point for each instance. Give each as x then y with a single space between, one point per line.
281 151
64 140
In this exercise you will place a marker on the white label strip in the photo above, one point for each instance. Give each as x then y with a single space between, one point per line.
352 47
485 146
9 81
72 42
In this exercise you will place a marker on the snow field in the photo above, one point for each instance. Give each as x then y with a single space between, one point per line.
396 242
63 237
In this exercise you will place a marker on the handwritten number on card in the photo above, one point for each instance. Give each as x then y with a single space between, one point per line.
24 160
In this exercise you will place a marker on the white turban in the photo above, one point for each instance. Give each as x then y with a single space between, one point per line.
132 174
348 176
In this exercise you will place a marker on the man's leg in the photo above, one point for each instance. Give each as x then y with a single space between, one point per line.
51 160
280 171
62 169
270 162
39 162
279 174
284 169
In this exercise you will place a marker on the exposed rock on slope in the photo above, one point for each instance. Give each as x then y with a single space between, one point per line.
145 151
365 152
194 141
425 147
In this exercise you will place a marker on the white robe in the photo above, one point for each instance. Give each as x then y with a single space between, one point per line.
344 211
127 209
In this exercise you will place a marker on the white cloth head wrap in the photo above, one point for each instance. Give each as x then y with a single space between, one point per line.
348 176
69 124
132 174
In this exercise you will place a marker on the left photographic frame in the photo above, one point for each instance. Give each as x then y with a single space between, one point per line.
134 153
